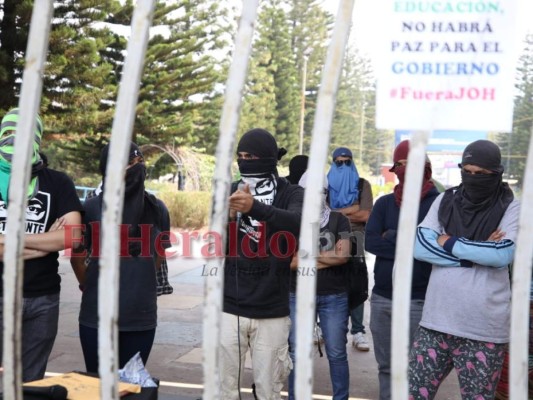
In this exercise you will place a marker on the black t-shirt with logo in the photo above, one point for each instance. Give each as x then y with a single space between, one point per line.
56 197
331 280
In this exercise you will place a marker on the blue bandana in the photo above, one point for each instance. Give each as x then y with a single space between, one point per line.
343 185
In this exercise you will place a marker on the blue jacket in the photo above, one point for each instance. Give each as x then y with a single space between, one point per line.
380 239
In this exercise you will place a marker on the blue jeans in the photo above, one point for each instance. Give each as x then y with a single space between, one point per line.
356 316
381 326
333 313
40 316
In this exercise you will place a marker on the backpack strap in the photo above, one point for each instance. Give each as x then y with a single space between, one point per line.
360 185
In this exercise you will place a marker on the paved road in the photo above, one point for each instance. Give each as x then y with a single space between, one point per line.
176 355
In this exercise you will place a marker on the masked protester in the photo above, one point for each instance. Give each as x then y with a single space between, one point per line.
265 211
468 235
297 167
380 239
145 223
351 195
52 205
332 265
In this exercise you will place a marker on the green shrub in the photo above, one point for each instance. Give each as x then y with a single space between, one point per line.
380 190
188 210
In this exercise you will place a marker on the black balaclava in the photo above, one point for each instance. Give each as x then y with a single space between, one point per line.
259 174
261 144
139 208
475 208
297 167
485 154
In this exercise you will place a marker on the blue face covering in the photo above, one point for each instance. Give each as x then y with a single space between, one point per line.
343 185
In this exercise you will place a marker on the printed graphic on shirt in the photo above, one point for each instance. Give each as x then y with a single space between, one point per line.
37 214
263 190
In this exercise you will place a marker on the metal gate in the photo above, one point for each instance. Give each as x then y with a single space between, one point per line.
113 202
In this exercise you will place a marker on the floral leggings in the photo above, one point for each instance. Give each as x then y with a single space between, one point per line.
434 354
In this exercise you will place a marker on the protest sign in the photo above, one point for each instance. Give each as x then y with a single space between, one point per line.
447 65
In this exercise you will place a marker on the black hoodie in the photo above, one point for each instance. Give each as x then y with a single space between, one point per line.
257 286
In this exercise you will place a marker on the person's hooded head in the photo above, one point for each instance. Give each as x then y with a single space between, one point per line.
139 208
343 179
474 209
297 166
258 154
481 170
399 166
8 131
135 171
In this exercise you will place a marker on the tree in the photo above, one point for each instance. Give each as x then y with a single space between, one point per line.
79 86
182 72
79 82
75 82
311 28
184 65
350 110
286 84
13 38
272 92
515 144
377 144
287 31
353 124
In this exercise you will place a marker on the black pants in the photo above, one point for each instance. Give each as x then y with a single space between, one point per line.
129 343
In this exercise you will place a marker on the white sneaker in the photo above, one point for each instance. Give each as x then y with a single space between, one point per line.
360 342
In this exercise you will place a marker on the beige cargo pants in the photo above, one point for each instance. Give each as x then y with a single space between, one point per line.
267 340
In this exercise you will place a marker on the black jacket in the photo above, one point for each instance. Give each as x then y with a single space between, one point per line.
256 277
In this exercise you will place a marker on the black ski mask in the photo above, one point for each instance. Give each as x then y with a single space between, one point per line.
480 187
139 207
475 208
135 176
261 144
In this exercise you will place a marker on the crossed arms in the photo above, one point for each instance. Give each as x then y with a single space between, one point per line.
64 233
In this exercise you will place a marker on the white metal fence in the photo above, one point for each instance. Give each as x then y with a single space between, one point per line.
121 135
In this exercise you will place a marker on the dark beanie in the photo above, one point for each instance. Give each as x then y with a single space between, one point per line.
260 143
135 151
484 154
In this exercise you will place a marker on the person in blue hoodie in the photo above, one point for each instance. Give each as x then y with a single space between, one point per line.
380 239
351 195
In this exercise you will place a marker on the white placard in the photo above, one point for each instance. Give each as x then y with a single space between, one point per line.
447 65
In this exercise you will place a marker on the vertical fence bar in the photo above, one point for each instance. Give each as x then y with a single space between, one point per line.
30 98
114 198
306 287
213 288
403 264
518 362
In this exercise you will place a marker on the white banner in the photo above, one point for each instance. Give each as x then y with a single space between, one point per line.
447 65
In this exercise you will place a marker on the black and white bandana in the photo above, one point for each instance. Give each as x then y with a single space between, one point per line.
263 190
